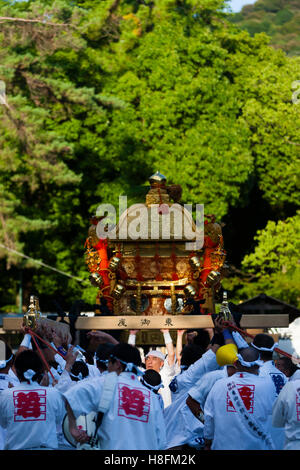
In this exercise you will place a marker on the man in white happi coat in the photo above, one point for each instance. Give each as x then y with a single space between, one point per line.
237 408
6 362
30 412
286 414
206 362
198 393
134 419
182 382
183 427
265 345
161 363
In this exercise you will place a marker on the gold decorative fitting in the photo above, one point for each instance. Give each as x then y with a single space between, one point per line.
114 263
30 317
157 178
213 278
118 291
173 300
195 262
225 312
96 279
189 290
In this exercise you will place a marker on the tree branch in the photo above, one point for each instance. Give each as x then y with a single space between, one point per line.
27 20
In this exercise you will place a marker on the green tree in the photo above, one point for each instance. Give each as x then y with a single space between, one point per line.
279 19
101 95
274 265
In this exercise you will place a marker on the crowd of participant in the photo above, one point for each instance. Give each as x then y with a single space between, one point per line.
189 398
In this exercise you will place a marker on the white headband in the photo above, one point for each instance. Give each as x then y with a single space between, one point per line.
156 353
248 364
152 387
79 376
5 362
129 366
265 349
28 374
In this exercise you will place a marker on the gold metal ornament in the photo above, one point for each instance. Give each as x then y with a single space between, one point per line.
93 235
157 178
189 290
30 317
37 307
213 278
225 312
173 299
195 262
112 276
114 263
96 279
118 291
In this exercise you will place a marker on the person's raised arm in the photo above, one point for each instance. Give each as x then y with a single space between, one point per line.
26 342
169 346
101 337
222 334
132 337
179 341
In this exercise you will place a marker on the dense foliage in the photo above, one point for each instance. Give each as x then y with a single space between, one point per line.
279 19
99 95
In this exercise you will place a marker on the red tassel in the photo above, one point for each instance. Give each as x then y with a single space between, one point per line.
101 244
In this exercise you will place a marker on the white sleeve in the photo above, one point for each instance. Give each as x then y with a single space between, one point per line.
60 408
203 386
167 370
93 371
208 431
187 379
84 397
160 428
3 403
64 382
60 360
280 407
132 339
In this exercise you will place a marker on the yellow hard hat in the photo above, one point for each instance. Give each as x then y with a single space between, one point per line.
227 355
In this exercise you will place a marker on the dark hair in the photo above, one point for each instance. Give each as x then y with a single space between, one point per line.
202 338
288 365
126 353
102 354
190 354
29 359
249 354
77 368
89 357
264 341
152 377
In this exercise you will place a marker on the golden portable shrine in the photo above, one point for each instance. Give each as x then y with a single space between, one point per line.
156 281
150 284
